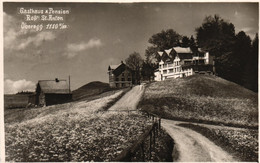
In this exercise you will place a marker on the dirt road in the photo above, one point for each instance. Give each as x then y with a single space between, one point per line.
130 100
190 145
194 147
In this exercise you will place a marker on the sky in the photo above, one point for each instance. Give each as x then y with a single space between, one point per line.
99 34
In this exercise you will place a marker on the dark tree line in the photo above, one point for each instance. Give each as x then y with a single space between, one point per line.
235 57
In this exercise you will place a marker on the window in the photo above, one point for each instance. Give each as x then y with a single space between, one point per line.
187 62
117 79
123 74
122 79
201 61
165 71
170 70
164 65
170 65
129 79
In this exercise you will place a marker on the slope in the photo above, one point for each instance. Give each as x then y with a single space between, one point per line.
202 98
90 89
77 131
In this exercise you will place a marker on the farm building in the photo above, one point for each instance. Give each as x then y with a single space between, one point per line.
119 76
180 62
51 92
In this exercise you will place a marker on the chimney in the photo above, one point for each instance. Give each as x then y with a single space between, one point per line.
122 62
56 79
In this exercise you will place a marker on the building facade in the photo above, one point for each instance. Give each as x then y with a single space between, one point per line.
120 76
179 62
51 92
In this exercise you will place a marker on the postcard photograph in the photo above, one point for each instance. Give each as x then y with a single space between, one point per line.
130 82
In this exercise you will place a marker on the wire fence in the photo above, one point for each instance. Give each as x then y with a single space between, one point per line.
140 148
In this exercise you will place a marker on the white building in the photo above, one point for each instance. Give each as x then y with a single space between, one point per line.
180 62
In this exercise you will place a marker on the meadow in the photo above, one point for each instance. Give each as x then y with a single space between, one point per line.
77 131
202 98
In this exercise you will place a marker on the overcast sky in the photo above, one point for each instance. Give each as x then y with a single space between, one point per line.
101 34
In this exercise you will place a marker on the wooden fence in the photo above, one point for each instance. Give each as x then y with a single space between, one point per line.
151 133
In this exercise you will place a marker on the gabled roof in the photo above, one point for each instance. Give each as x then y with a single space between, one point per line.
160 53
165 56
54 86
185 55
118 69
168 51
113 67
182 50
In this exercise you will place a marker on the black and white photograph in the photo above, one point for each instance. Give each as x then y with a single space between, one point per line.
133 81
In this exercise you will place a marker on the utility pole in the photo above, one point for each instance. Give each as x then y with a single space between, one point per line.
69 84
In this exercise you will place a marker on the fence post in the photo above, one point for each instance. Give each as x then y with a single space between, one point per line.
142 151
159 123
150 146
154 128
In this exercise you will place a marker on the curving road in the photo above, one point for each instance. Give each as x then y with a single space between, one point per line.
190 145
194 147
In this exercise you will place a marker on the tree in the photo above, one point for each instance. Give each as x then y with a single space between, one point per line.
241 59
251 67
134 62
217 36
255 63
148 70
185 42
161 41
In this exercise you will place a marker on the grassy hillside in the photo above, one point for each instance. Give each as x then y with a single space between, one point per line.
202 98
90 89
22 114
15 101
75 131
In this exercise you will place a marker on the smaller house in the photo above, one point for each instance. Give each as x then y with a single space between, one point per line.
51 92
119 76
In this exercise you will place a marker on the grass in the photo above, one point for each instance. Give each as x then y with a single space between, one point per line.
242 143
72 132
202 98
21 114
91 89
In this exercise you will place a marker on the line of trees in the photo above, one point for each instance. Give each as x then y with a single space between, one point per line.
236 55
